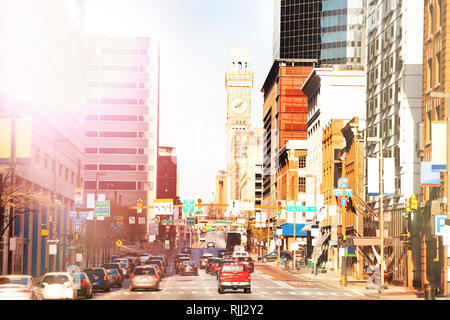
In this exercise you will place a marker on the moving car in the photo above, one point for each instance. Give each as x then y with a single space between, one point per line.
233 239
157 268
234 276
59 285
248 261
238 254
214 266
144 277
221 253
179 261
159 263
19 287
127 267
201 239
211 245
221 263
144 257
208 264
203 259
188 267
83 284
114 265
186 250
99 278
114 277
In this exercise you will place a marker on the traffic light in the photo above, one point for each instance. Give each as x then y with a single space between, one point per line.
139 205
404 237
408 204
199 204
196 220
413 202
279 207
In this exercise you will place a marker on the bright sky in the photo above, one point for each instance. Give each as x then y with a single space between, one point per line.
195 37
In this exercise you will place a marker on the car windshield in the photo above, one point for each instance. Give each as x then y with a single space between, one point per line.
157 262
144 271
215 261
95 273
78 276
233 268
112 271
55 279
191 263
14 280
221 263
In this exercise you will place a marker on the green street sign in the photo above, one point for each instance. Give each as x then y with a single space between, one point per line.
190 221
301 208
189 206
222 221
102 209
71 247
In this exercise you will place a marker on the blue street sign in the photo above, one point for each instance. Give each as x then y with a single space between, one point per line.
343 185
343 201
348 192
338 192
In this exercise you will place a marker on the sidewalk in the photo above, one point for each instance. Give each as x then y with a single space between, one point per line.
333 279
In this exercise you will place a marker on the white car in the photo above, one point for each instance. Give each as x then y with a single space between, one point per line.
59 285
144 257
240 254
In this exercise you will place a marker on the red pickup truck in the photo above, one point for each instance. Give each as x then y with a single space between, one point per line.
234 276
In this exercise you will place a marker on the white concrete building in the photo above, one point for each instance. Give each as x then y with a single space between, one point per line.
394 97
333 93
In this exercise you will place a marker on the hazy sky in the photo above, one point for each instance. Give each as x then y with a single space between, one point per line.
195 37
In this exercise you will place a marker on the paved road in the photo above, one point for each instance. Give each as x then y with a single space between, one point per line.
268 283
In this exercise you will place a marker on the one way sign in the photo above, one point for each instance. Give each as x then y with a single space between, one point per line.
132 220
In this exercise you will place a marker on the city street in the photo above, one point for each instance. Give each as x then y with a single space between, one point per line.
268 283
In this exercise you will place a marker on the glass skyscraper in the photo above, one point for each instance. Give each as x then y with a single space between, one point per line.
329 31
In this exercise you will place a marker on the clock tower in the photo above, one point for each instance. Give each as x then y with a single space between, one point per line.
238 83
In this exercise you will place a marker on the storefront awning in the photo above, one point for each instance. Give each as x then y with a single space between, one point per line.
288 230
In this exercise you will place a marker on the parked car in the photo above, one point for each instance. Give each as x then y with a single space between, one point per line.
186 250
83 284
114 277
234 276
114 265
203 259
58 285
211 244
144 277
248 261
213 268
99 278
272 256
19 287
188 267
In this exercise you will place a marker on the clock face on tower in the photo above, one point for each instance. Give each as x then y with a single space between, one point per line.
239 105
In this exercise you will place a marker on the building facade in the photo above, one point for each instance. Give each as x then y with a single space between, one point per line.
238 83
122 120
394 105
42 63
329 32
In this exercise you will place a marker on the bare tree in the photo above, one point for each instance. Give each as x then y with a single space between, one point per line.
17 199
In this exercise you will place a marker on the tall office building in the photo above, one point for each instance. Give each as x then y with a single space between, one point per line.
42 58
122 120
329 32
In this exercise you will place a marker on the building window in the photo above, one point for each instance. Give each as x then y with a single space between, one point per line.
117 167
429 74
89 166
117 185
118 134
117 151
302 162
438 69
91 150
91 134
302 184
120 117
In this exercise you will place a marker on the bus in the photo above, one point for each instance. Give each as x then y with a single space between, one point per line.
233 239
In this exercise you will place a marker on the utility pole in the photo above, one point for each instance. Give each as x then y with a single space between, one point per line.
13 187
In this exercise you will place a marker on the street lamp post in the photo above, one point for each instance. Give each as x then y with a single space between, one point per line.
381 215
315 205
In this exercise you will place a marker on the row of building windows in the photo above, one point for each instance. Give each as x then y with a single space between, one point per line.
118 101
118 68
118 117
127 85
117 167
94 150
119 185
56 168
118 134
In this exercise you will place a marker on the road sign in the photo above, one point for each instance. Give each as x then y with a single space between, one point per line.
348 192
131 220
338 192
163 207
301 208
413 202
119 243
78 203
189 206
343 201
102 209
190 221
